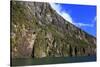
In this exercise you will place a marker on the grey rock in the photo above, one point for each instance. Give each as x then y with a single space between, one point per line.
38 31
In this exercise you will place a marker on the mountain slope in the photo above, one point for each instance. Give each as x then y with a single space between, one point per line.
38 31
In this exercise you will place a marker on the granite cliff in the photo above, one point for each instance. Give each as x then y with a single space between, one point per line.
38 31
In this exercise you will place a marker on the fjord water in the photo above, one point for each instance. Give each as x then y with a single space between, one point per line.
51 60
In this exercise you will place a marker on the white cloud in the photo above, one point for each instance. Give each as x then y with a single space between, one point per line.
56 7
64 14
93 22
67 17
83 25
95 19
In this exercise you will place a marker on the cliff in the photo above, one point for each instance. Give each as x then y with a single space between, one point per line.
38 31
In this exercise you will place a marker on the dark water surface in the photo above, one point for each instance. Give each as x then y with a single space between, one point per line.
51 60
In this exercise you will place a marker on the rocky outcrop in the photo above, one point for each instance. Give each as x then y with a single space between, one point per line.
38 31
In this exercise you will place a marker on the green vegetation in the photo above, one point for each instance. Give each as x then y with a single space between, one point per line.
31 39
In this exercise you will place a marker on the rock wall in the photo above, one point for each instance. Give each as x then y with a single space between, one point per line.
38 31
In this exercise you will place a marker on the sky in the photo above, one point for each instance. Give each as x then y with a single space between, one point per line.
82 16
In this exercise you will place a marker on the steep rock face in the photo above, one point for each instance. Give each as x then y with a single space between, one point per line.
38 31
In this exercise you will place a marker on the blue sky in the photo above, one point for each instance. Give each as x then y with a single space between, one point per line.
82 16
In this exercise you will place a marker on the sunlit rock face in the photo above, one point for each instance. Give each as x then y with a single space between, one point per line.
37 31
